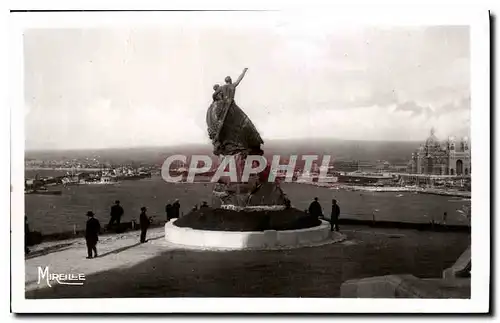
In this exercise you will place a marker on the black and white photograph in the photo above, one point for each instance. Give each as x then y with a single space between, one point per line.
250 161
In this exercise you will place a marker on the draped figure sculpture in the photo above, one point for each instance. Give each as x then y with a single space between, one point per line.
233 134
229 128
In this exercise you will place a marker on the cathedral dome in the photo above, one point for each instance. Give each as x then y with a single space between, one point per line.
432 140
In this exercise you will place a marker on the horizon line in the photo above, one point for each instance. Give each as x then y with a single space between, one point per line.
209 145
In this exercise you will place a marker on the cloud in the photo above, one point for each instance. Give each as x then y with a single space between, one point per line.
116 87
454 107
415 109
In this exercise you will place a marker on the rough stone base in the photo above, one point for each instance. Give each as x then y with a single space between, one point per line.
252 193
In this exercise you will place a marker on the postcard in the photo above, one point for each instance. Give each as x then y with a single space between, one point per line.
250 161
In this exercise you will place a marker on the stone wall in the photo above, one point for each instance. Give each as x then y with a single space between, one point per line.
454 284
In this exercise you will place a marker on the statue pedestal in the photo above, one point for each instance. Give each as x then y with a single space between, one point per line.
251 194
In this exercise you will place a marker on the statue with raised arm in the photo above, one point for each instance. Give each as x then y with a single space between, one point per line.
229 128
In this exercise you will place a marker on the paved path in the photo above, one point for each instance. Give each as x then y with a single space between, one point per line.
157 269
118 251
114 251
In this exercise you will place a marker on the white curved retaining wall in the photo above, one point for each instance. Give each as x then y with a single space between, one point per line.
245 240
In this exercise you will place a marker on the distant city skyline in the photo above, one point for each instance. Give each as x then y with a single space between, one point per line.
116 88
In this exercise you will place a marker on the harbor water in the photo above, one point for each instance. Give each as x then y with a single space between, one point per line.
61 213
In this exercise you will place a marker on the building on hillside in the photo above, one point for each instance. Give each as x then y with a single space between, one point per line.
441 158
367 166
346 166
383 166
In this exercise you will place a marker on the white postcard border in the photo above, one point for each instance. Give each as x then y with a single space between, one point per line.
479 301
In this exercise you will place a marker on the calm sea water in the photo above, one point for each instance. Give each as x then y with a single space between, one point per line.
51 214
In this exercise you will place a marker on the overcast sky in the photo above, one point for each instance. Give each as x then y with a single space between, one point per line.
99 88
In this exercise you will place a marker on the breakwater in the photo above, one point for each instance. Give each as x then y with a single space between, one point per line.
394 189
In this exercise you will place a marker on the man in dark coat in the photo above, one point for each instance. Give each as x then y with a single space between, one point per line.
334 219
168 211
91 234
144 221
315 209
176 209
116 214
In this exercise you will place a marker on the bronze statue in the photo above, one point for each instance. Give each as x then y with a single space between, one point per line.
229 128
233 134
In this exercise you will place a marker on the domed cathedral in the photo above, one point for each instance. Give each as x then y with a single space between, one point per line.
441 158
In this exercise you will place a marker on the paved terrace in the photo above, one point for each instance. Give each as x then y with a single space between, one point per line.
126 268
